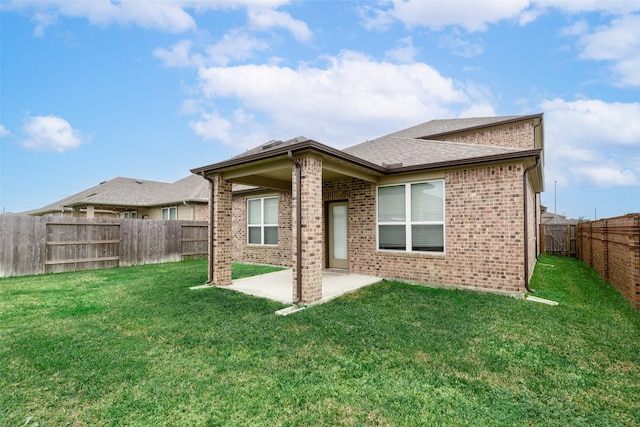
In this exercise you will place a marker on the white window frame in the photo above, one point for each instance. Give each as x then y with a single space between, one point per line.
168 210
130 214
262 225
407 223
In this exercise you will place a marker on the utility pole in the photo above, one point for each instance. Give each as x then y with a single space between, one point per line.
555 202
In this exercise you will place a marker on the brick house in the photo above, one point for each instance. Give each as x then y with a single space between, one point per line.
131 198
451 203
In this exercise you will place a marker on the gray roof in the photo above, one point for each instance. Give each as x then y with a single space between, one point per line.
418 147
403 152
271 145
131 192
439 127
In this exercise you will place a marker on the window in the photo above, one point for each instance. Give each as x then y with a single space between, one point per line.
262 221
411 217
170 213
131 215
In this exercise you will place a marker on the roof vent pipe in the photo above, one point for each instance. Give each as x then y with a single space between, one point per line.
296 164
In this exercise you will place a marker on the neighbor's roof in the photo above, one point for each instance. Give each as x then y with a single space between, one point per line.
131 192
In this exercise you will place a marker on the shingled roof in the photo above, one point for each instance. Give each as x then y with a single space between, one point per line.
413 148
132 192
394 150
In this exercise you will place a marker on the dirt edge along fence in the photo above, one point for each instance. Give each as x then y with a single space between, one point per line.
611 247
37 245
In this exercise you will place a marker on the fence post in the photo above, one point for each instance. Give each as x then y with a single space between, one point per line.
579 241
591 244
605 233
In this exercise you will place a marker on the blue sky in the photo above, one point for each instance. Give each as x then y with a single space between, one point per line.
92 90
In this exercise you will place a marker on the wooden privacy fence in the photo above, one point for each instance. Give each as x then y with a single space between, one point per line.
558 239
612 247
36 245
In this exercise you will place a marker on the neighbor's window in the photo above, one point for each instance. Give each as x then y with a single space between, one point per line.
262 221
131 215
411 217
170 213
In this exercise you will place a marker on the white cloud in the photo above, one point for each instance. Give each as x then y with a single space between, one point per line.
4 131
167 15
592 142
350 100
477 15
235 45
608 175
179 55
619 43
50 133
240 129
437 14
264 19
593 122
461 46
405 52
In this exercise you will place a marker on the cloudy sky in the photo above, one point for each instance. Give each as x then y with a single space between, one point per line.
92 90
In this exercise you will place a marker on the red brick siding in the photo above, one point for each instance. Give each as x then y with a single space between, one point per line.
221 256
311 230
255 254
520 135
484 229
201 212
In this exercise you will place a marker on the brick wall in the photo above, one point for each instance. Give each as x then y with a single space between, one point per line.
200 212
520 135
255 254
221 256
484 227
612 247
311 231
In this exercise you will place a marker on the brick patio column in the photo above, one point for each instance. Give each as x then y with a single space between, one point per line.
311 235
220 234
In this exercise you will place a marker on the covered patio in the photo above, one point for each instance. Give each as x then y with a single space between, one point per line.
298 167
276 286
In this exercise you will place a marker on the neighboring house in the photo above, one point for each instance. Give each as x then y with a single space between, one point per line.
553 218
448 203
186 199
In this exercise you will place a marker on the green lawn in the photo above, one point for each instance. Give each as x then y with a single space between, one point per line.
134 346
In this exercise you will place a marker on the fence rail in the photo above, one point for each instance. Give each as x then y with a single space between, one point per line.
37 245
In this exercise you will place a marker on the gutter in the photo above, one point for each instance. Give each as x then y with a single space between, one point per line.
297 166
526 224
210 249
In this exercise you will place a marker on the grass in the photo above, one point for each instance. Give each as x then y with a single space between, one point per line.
134 346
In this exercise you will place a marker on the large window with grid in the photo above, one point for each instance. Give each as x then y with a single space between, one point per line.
262 221
411 217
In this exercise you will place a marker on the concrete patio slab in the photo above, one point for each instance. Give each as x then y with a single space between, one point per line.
278 286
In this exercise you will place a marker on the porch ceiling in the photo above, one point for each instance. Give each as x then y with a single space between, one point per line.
277 172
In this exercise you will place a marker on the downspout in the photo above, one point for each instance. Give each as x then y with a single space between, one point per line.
537 221
193 209
211 193
296 164
526 225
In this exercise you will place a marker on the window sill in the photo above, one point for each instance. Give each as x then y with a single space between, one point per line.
401 254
